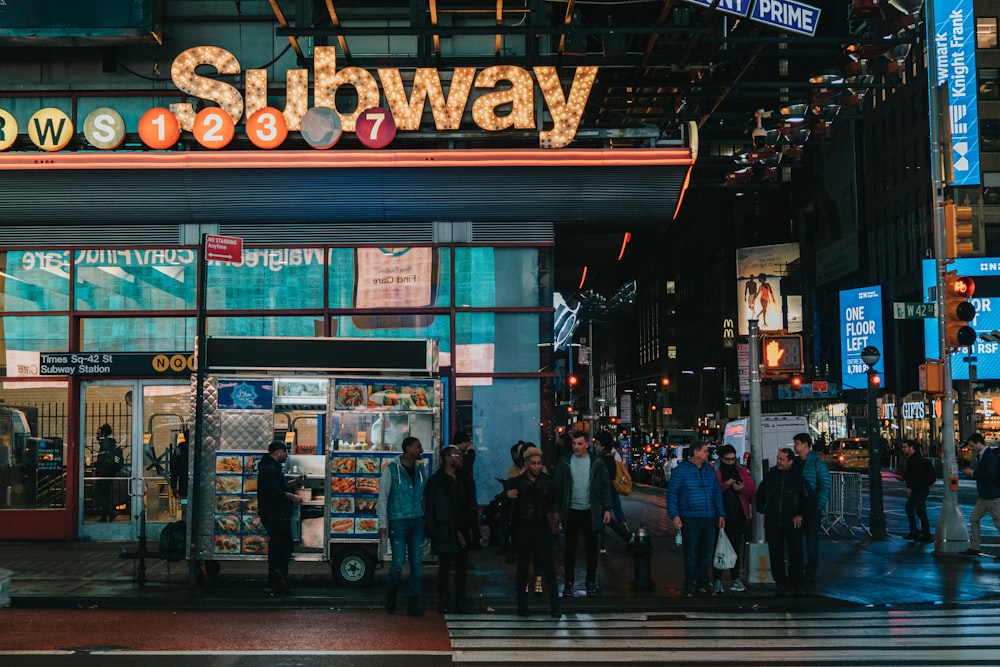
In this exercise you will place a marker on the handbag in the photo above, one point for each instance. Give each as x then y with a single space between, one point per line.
725 554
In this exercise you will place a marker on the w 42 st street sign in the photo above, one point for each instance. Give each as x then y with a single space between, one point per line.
913 310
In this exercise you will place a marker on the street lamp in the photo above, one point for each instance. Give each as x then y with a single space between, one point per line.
870 356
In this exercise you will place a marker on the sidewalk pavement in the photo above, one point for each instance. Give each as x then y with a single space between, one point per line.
855 570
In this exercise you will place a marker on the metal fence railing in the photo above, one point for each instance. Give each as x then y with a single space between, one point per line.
843 510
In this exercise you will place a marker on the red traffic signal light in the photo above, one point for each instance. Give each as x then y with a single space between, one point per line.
958 230
958 310
572 380
796 381
782 353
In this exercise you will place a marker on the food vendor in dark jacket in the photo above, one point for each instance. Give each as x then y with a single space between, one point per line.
450 515
533 493
784 498
275 501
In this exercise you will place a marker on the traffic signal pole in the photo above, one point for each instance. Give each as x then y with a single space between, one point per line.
758 557
952 535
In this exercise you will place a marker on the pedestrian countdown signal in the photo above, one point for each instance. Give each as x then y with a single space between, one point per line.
782 353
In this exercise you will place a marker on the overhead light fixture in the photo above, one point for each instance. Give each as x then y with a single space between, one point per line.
794 113
826 78
907 6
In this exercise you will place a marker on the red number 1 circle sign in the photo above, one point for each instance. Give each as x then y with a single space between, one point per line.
375 127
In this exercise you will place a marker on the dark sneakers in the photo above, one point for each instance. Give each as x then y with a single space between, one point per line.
390 602
413 606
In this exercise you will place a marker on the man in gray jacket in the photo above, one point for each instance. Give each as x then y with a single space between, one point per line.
817 476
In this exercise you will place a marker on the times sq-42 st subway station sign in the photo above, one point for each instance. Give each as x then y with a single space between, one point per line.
505 99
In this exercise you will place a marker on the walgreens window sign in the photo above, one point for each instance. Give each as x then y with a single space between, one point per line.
501 96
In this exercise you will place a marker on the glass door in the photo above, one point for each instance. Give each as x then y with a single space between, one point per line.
133 435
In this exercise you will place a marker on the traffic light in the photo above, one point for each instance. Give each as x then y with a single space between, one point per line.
958 230
796 381
958 310
782 353
572 381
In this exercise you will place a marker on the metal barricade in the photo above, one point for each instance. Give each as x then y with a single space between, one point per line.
843 509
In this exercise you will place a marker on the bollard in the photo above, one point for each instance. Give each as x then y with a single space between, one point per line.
642 551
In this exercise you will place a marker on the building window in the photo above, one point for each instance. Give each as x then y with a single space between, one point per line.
986 32
990 135
989 83
991 187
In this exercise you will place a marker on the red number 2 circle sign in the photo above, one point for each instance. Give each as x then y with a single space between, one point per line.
213 128
375 127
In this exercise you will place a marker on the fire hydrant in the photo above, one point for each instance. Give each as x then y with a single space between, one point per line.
642 551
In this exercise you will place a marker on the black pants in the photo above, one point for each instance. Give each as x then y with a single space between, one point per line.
578 521
102 493
533 542
736 532
784 539
916 507
279 546
460 561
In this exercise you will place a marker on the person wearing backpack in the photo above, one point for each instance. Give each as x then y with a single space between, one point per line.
604 446
110 460
919 476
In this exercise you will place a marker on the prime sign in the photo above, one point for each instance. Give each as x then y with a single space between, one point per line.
787 15
506 99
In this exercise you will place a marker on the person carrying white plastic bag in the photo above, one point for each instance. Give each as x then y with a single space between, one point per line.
725 554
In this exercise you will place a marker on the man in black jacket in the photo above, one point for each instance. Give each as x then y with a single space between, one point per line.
450 520
275 502
784 499
918 475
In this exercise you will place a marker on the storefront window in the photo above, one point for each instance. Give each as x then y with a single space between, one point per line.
389 277
138 334
498 422
265 325
422 325
268 279
136 279
24 337
32 445
36 280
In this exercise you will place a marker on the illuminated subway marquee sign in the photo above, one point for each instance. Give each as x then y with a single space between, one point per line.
509 102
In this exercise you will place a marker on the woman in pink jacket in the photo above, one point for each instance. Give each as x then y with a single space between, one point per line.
737 493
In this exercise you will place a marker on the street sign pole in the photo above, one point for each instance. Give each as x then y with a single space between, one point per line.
952 535
759 561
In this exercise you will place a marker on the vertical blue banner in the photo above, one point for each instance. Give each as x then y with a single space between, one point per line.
860 326
953 47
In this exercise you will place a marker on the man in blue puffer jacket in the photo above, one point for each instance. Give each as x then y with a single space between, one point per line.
694 500
817 476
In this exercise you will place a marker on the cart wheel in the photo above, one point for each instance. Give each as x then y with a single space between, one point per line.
353 567
212 568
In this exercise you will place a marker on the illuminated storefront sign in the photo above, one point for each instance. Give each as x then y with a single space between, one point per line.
505 100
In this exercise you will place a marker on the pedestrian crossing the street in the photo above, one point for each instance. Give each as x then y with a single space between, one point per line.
868 637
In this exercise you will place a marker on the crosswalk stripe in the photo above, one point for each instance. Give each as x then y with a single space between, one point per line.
934 636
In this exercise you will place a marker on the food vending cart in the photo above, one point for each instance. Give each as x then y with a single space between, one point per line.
343 429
